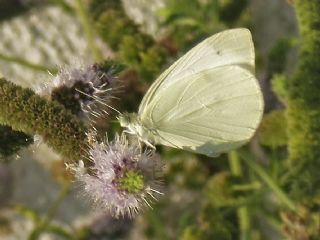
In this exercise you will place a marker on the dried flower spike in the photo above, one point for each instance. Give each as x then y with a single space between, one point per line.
122 178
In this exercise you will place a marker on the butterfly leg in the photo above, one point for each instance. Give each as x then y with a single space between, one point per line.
149 144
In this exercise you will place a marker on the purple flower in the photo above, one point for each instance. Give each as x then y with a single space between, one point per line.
122 178
85 90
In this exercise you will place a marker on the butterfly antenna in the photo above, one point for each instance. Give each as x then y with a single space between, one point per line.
98 100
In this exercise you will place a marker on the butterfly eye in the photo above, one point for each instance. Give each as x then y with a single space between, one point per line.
123 120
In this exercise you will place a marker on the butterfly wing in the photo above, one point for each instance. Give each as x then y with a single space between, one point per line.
208 112
230 47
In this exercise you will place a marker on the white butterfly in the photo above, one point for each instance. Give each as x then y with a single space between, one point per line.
207 102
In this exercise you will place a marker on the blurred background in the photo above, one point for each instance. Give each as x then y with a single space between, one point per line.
204 198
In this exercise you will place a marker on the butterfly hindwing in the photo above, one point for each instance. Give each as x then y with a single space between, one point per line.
208 112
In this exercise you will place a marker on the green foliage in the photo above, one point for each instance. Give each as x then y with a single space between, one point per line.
190 21
181 166
218 212
278 55
191 233
303 86
277 63
219 192
303 107
152 61
111 67
24 111
42 225
273 129
96 7
12 141
136 49
212 224
131 47
278 84
113 25
230 10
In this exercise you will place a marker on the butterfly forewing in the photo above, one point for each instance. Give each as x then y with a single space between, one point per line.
231 47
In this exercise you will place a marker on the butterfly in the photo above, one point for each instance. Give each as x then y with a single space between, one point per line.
207 102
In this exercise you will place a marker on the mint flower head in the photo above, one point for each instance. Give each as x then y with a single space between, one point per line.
85 90
122 177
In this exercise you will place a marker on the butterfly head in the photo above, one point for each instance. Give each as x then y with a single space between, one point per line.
127 119
132 122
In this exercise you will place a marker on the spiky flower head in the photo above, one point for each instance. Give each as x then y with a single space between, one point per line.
122 177
85 90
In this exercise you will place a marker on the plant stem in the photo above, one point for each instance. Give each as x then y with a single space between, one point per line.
88 29
44 225
247 187
27 64
234 163
267 179
243 211
244 222
54 207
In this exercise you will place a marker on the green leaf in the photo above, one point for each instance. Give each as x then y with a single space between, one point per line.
273 129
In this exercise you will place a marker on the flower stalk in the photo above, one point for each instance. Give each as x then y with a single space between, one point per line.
27 64
242 211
